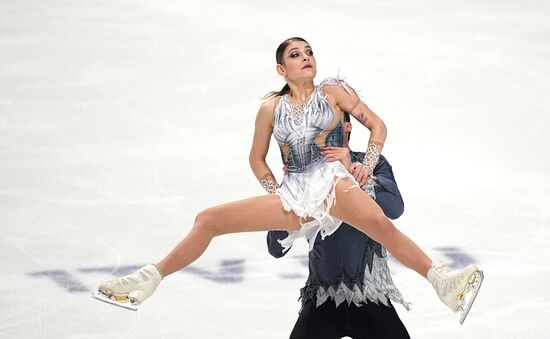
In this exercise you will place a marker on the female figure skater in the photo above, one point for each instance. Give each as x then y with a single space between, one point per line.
315 196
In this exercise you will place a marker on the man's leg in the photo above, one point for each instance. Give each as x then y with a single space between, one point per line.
375 321
323 322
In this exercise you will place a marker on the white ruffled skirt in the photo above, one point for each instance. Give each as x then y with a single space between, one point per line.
312 194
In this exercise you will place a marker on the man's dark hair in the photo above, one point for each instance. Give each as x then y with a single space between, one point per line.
347 119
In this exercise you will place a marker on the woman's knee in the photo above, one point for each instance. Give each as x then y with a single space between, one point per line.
380 225
205 221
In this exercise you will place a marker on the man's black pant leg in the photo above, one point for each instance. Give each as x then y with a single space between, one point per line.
323 322
369 321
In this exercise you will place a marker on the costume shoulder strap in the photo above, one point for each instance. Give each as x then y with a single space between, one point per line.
334 82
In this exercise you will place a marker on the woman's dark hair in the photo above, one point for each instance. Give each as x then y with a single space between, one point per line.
279 57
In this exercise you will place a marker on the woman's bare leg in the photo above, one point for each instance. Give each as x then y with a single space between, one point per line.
266 213
356 208
261 213
255 214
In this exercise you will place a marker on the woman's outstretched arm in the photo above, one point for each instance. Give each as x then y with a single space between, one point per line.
260 145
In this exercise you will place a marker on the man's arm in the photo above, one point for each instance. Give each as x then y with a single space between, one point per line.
273 245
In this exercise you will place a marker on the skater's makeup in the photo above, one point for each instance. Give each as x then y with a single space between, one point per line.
284 48
295 52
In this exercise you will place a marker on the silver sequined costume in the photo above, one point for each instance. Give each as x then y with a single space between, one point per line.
308 188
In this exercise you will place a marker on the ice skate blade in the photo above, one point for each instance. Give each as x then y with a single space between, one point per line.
102 297
473 286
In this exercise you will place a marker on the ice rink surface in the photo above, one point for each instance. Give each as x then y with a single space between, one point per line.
120 120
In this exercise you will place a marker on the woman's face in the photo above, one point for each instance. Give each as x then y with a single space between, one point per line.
298 62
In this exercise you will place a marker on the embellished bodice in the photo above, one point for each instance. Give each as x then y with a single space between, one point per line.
302 131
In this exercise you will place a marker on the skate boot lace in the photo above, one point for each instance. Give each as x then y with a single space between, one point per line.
134 278
447 281
444 272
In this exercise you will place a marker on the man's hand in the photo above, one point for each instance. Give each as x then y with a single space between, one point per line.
341 154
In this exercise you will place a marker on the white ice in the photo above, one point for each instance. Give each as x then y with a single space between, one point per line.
120 120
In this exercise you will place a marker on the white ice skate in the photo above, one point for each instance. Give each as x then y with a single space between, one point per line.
130 291
452 286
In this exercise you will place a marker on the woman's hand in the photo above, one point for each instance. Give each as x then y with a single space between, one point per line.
358 170
341 154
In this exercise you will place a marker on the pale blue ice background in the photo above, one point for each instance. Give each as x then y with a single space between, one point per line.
120 120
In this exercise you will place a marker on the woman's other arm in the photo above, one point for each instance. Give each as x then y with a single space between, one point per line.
260 145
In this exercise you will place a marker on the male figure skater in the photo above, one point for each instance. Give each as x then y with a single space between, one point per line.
349 289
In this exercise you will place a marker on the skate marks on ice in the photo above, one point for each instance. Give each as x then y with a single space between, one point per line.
229 271
62 279
457 257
